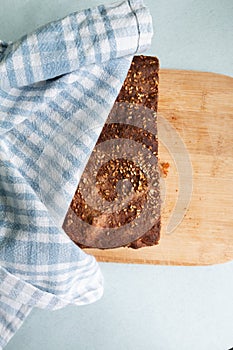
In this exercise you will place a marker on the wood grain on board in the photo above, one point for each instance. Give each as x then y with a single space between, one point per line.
195 125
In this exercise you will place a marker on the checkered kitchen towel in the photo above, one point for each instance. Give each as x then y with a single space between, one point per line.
57 87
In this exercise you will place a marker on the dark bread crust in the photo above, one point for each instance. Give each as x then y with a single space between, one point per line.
132 121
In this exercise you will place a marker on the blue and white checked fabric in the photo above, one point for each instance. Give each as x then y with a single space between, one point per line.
57 87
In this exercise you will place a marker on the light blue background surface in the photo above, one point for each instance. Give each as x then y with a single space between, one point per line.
144 307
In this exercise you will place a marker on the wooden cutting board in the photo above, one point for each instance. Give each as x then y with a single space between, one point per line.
195 126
